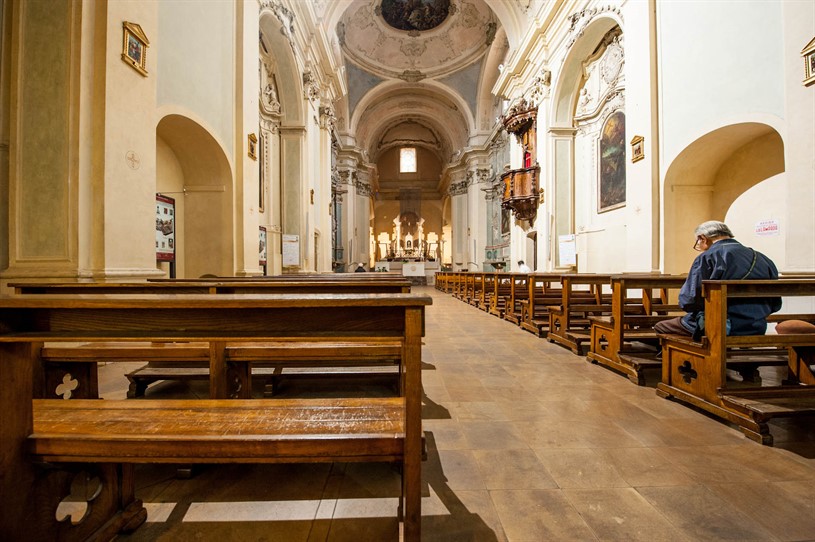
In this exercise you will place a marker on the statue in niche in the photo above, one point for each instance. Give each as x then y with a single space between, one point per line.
270 94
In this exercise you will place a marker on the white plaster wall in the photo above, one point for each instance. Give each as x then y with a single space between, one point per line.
718 62
128 245
196 62
765 201
799 140
641 235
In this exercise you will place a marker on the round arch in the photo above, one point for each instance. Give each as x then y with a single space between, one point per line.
289 79
704 180
192 167
567 83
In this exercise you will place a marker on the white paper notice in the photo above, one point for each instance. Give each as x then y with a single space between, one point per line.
567 253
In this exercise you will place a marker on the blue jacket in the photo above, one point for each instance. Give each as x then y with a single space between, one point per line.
728 259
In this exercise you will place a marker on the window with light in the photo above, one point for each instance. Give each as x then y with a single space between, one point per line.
407 160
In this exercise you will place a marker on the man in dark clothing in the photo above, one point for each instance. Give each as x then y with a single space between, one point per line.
360 268
723 258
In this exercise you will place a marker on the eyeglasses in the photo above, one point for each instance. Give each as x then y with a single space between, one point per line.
699 239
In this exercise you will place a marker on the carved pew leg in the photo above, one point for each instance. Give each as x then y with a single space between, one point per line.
85 501
138 386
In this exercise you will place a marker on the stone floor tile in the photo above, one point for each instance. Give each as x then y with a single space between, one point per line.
540 514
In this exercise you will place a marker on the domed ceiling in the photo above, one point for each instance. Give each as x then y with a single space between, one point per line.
416 39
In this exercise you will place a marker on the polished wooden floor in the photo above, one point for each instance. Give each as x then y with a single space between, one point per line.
526 442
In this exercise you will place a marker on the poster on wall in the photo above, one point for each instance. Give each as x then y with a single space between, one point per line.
165 229
768 227
567 250
262 246
291 250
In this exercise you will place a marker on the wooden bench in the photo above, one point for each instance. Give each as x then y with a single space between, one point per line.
487 289
107 437
518 291
695 372
475 295
544 291
325 284
583 295
193 364
501 292
290 358
618 341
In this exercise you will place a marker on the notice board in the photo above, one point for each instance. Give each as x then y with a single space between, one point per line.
291 250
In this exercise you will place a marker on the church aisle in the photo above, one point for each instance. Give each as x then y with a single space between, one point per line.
526 441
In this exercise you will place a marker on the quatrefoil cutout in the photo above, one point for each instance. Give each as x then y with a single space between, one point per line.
77 505
68 385
687 372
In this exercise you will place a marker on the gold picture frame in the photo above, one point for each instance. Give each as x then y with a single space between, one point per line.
637 149
808 53
253 146
134 47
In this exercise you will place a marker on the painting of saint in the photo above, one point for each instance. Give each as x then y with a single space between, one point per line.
415 14
611 193
134 49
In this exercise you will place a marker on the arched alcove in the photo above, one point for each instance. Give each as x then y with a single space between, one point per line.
575 133
708 176
288 77
192 167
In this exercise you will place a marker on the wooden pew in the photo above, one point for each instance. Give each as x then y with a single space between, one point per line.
695 372
502 291
583 295
518 291
476 294
465 282
106 438
487 289
441 281
325 284
617 339
184 362
544 291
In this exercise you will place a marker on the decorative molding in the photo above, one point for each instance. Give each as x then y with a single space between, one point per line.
412 76
270 125
580 21
610 103
328 119
459 188
347 177
311 90
539 89
363 188
283 15
483 175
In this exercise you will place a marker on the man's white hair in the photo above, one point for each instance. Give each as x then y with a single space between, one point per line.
713 229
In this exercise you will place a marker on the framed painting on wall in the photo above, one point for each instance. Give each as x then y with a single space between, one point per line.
134 47
611 189
637 149
808 53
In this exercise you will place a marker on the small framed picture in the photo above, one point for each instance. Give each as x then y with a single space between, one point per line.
253 146
134 47
637 149
809 62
